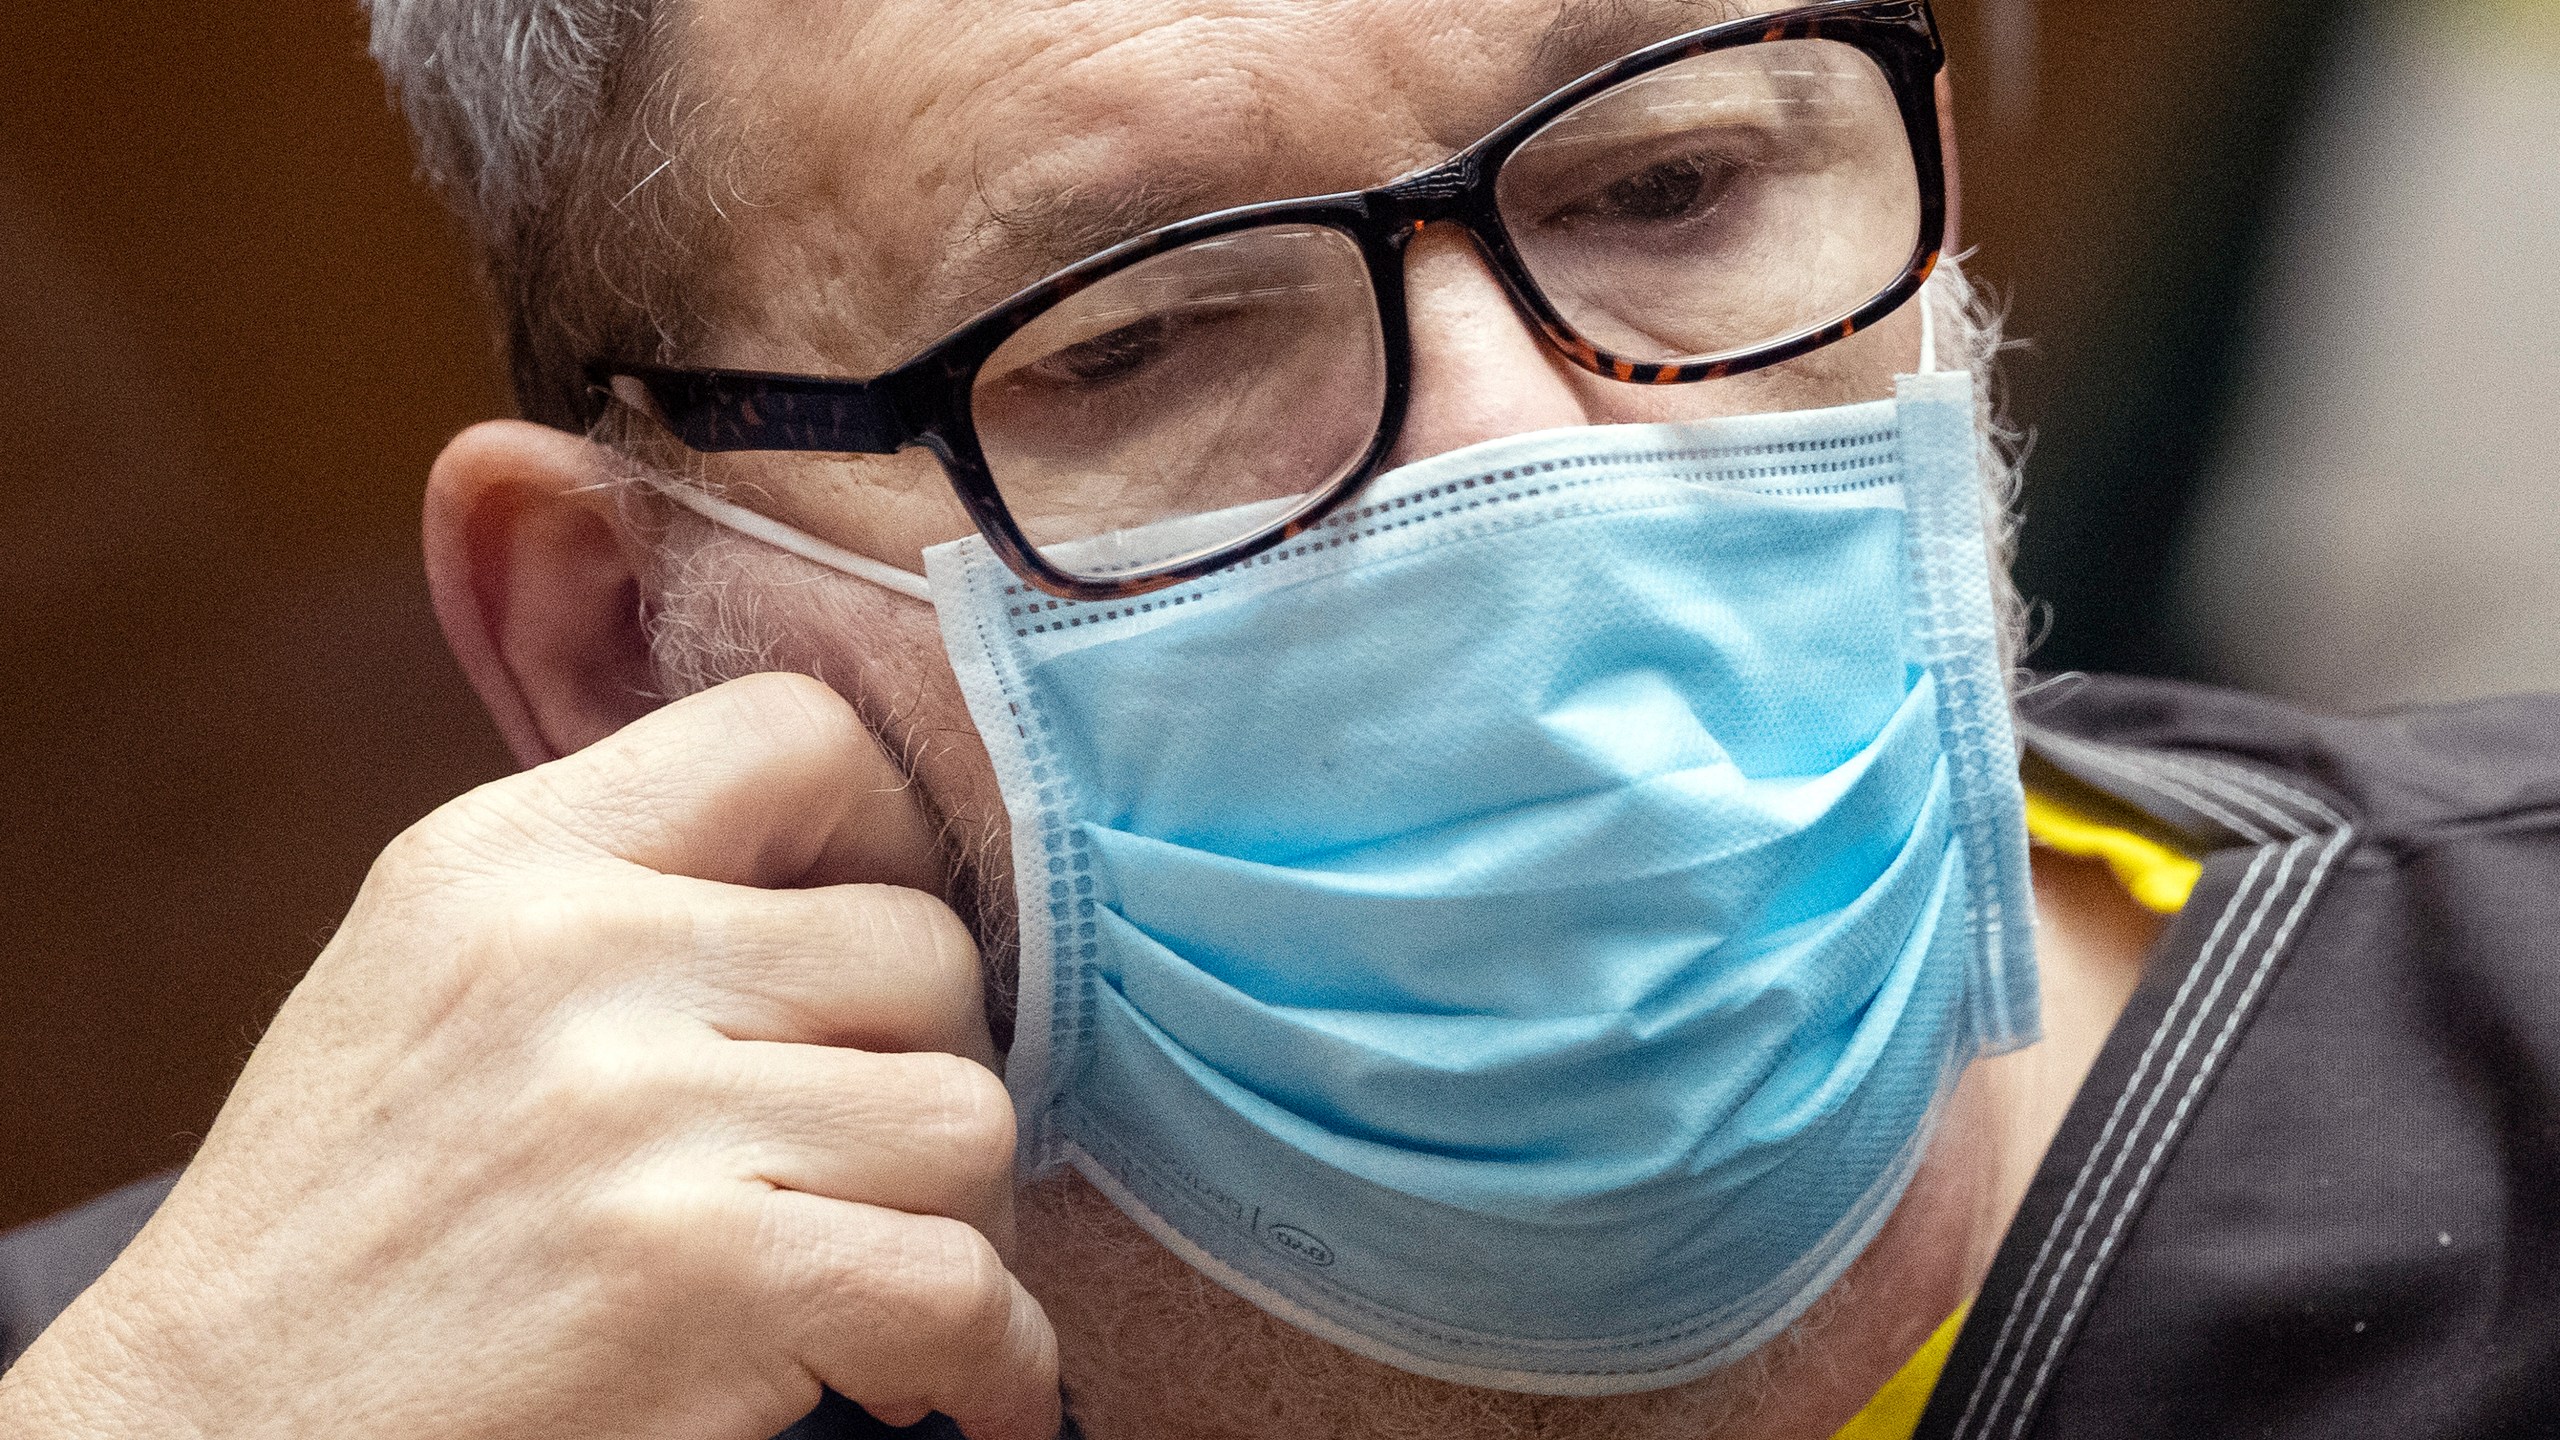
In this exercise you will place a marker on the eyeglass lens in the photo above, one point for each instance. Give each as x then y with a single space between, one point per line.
1195 398
1719 203
1205 395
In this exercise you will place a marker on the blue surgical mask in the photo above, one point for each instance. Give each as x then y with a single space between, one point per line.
1522 929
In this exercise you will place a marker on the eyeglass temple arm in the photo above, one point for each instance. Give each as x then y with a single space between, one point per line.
753 410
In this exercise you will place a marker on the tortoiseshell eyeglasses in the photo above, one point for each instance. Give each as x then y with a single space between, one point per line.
1714 204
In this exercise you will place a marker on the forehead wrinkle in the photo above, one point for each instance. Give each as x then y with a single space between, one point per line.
1119 118
1017 232
1066 223
1038 230
869 145
1587 34
812 251
1155 139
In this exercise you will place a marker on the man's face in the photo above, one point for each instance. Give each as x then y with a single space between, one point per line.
913 162
910 164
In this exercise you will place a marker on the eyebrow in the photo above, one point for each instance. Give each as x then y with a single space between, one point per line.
1013 241
1587 34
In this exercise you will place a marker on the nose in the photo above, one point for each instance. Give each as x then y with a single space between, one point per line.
1479 371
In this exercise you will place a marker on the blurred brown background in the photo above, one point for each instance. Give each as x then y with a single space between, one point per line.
233 334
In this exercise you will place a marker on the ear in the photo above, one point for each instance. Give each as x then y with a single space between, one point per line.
536 583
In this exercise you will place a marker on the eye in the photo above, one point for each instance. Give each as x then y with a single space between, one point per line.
1112 355
1673 190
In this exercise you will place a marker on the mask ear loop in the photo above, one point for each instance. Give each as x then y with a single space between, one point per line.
1928 326
799 542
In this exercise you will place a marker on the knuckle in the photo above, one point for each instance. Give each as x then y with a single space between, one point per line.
600 1080
448 846
950 1280
792 710
421 847
587 929
491 827
920 930
656 1228
974 1115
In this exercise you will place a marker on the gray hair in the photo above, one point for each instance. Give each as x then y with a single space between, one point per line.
523 112
499 92
530 117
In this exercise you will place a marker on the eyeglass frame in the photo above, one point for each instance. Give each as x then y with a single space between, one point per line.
926 400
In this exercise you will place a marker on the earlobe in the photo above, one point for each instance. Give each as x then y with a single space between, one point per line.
536 582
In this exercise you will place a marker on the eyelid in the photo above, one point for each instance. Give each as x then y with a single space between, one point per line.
1546 192
1586 136
1102 324
1072 323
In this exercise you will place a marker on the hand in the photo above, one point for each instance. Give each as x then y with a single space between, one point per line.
579 1128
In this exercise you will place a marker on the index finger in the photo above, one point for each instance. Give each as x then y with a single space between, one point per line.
768 780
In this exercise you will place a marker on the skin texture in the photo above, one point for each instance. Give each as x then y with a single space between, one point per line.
581 1126
642 1092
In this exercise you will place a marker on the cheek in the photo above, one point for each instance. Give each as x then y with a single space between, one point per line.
892 666
884 653
755 608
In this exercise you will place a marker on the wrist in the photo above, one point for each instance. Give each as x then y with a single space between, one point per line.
88 1378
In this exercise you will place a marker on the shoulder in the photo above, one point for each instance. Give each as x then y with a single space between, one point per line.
2452 864
2311 1168
45 1266
2398 773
